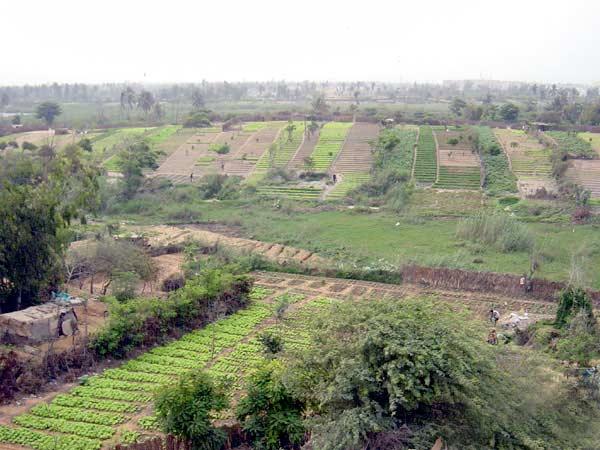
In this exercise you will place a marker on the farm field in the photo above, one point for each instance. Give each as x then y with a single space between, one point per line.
116 405
572 144
458 163
593 139
586 173
402 157
331 140
291 192
356 155
498 175
530 161
285 147
348 182
425 168
298 159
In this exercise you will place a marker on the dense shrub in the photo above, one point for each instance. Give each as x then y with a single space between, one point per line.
142 321
269 412
417 368
503 232
198 119
188 409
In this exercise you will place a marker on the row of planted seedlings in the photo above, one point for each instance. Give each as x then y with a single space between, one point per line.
425 169
92 413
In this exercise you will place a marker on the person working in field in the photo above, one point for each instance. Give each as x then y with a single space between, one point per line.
494 316
492 337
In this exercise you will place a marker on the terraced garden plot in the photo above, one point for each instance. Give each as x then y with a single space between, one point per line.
529 160
348 182
250 153
292 192
573 144
586 173
425 170
356 155
93 413
401 157
284 150
498 175
331 139
309 142
190 158
458 163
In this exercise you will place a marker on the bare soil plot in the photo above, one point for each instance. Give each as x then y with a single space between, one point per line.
529 161
305 150
356 156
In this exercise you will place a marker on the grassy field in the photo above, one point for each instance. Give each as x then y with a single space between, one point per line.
593 139
425 235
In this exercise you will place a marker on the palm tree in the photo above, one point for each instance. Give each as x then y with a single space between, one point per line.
145 101
127 100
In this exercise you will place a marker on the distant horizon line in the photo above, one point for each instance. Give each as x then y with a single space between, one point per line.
283 80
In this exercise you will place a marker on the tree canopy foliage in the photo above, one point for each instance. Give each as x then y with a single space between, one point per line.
40 193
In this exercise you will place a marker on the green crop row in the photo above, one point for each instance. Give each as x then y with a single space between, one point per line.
54 411
458 178
94 404
42 441
349 182
425 170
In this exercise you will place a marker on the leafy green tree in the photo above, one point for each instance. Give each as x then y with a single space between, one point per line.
30 240
319 105
16 120
269 412
188 409
48 111
509 112
86 144
39 196
457 106
134 158
289 129
378 366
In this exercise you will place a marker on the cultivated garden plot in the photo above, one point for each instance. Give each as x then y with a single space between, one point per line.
586 173
498 177
285 146
425 168
529 160
243 161
593 139
353 164
192 157
331 140
116 405
458 162
572 144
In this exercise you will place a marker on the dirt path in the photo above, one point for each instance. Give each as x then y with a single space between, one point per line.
163 235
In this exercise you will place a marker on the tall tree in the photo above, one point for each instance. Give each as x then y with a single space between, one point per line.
48 111
198 99
145 102
127 100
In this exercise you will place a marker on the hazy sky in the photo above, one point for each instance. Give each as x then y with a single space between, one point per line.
395 40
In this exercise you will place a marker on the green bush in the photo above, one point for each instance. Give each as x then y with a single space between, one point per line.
382 366
269 412
188 409
143 321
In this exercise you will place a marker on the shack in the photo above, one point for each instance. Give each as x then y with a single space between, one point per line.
41 323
